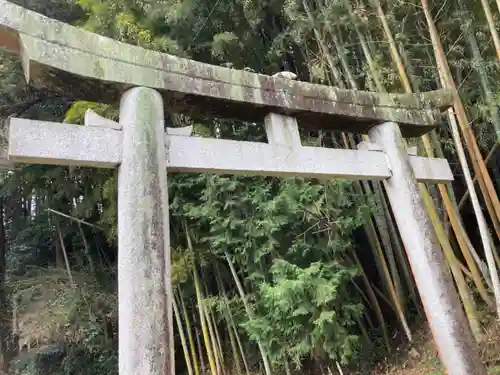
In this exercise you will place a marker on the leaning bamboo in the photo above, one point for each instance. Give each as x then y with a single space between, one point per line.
390 278
403 260
373 298
232 331
472 259
450 209
498 5
463 290
182 336
491 25
375 244
447 81
207 339
233 328
187 322
215 339
478 164
241 291
466 195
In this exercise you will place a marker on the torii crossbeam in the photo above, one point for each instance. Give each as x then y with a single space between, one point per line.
77 63
38 142
62 58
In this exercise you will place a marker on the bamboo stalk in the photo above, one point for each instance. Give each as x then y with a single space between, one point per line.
232 326
204 326
470 140
392 44
393 288
364 331
462 287
491 25
483 78
232 331
373 298
241 291
471 257
403 260
447 81
240 345
478 165
215 339
466 195
323 48
187 356
367 301
450 209
187 322
65 254
498 5
200 353
384 225
369 227
378 80
366 51
201 311
87 249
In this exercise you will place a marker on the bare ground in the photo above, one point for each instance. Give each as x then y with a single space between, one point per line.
421 357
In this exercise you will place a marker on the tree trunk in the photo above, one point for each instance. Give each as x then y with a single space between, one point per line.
7 350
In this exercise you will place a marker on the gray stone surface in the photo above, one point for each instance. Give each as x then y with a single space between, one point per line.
446 318
282 130
93 119
144 271
38 142
66 59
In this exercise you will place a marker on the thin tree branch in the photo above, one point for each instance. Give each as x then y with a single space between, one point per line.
74 219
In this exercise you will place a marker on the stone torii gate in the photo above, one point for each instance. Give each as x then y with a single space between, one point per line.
83 65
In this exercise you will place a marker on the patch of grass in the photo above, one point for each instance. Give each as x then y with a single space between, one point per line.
433 361
494 370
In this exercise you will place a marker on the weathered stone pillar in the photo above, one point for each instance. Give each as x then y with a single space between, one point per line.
144 278
447 320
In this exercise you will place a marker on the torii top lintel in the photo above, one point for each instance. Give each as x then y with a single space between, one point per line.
84 65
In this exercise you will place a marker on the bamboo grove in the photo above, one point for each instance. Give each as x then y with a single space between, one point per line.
270 276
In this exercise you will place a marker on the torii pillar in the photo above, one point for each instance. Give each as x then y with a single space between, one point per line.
443 309
144 271
87 66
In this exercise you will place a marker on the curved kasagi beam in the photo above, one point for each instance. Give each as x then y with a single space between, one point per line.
69 60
